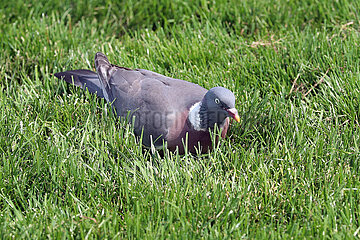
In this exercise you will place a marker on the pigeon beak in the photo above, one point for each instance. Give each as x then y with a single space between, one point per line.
234 114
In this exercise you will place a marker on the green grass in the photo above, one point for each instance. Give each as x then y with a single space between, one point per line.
290 169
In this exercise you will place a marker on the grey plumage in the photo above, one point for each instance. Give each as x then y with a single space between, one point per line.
83 78
213 110
157 105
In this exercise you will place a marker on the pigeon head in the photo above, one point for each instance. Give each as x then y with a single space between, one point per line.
217 104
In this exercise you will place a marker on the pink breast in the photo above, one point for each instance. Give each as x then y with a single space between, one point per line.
181 132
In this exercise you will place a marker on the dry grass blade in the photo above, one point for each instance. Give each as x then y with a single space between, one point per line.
317 84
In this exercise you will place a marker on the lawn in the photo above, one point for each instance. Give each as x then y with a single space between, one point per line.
290 169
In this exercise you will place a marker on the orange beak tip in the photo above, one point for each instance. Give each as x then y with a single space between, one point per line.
233 113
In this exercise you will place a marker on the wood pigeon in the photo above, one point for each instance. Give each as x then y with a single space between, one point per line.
163 110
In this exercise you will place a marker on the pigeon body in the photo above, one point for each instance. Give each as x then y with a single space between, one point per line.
162 109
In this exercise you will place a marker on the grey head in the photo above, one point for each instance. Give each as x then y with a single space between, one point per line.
217 104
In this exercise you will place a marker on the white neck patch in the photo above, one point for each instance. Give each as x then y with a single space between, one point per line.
194 117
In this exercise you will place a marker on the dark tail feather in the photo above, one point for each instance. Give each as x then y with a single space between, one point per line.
85 79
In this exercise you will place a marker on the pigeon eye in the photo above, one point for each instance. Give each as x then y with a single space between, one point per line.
217 101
